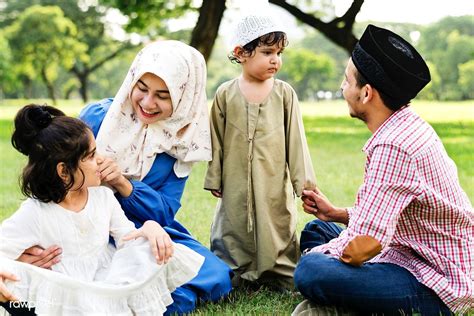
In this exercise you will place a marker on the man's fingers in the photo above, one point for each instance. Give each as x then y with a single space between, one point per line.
309 202
308 209
309 193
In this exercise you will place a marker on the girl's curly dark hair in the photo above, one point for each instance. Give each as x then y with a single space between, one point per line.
48 137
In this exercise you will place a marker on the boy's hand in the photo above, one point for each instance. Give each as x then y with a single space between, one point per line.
160 242
216 193
6 295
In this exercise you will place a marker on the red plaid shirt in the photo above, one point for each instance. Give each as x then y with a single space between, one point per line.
412 203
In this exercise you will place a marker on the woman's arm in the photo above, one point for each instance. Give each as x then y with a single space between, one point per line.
157 197
154 198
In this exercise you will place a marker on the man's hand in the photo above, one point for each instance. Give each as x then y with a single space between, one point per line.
317 204
6 295
43 258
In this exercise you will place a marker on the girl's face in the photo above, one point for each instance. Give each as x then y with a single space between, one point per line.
88 173
151 99
264 63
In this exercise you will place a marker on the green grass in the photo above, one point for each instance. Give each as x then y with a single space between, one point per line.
335 142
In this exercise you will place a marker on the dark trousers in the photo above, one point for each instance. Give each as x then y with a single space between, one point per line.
380 288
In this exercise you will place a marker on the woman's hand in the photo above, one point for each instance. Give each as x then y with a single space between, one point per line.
43 258
5 294
111 174
160 242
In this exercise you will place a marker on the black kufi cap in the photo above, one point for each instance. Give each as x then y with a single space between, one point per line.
390 64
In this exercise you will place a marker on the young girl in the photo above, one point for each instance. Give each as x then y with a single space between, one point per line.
260 160
68 207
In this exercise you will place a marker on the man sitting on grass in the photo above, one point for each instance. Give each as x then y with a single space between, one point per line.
409 242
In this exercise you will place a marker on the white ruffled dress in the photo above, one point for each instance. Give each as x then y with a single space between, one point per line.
93 277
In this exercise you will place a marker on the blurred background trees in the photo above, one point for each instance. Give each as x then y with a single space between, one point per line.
82 48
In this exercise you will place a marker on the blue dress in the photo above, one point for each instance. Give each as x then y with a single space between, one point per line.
157 197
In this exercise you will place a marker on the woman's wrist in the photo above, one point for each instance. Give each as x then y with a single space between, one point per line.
124 187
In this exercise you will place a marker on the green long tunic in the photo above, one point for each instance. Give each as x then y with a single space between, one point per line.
260 160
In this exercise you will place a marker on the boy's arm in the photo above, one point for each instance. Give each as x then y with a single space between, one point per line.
297 152
213 180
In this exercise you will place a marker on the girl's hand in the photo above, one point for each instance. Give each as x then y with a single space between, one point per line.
216 193
6 295
160 242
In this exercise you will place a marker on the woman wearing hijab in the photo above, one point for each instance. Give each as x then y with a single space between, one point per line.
152 132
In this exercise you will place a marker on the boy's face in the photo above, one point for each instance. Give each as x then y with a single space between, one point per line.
264 63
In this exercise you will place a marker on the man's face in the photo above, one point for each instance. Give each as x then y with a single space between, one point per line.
352 93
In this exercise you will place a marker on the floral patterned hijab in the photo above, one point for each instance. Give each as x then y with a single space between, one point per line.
184 135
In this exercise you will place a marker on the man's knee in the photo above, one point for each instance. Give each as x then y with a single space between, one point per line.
311 274
318 232
312 225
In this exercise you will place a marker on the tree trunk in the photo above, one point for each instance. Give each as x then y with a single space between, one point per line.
339 30
206 30
83 74
27 84
84 85
49 86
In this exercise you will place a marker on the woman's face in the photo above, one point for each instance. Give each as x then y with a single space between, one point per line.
151 99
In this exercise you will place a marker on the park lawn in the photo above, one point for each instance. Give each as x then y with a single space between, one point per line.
335 142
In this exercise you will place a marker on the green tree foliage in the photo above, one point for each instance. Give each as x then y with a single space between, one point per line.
466 79
43 40
89 19
432 89
307 72
447 44
6 69
150 17
219 68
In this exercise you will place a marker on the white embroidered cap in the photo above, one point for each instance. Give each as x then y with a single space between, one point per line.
252 27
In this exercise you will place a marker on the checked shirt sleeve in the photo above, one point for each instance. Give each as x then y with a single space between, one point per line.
390 185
